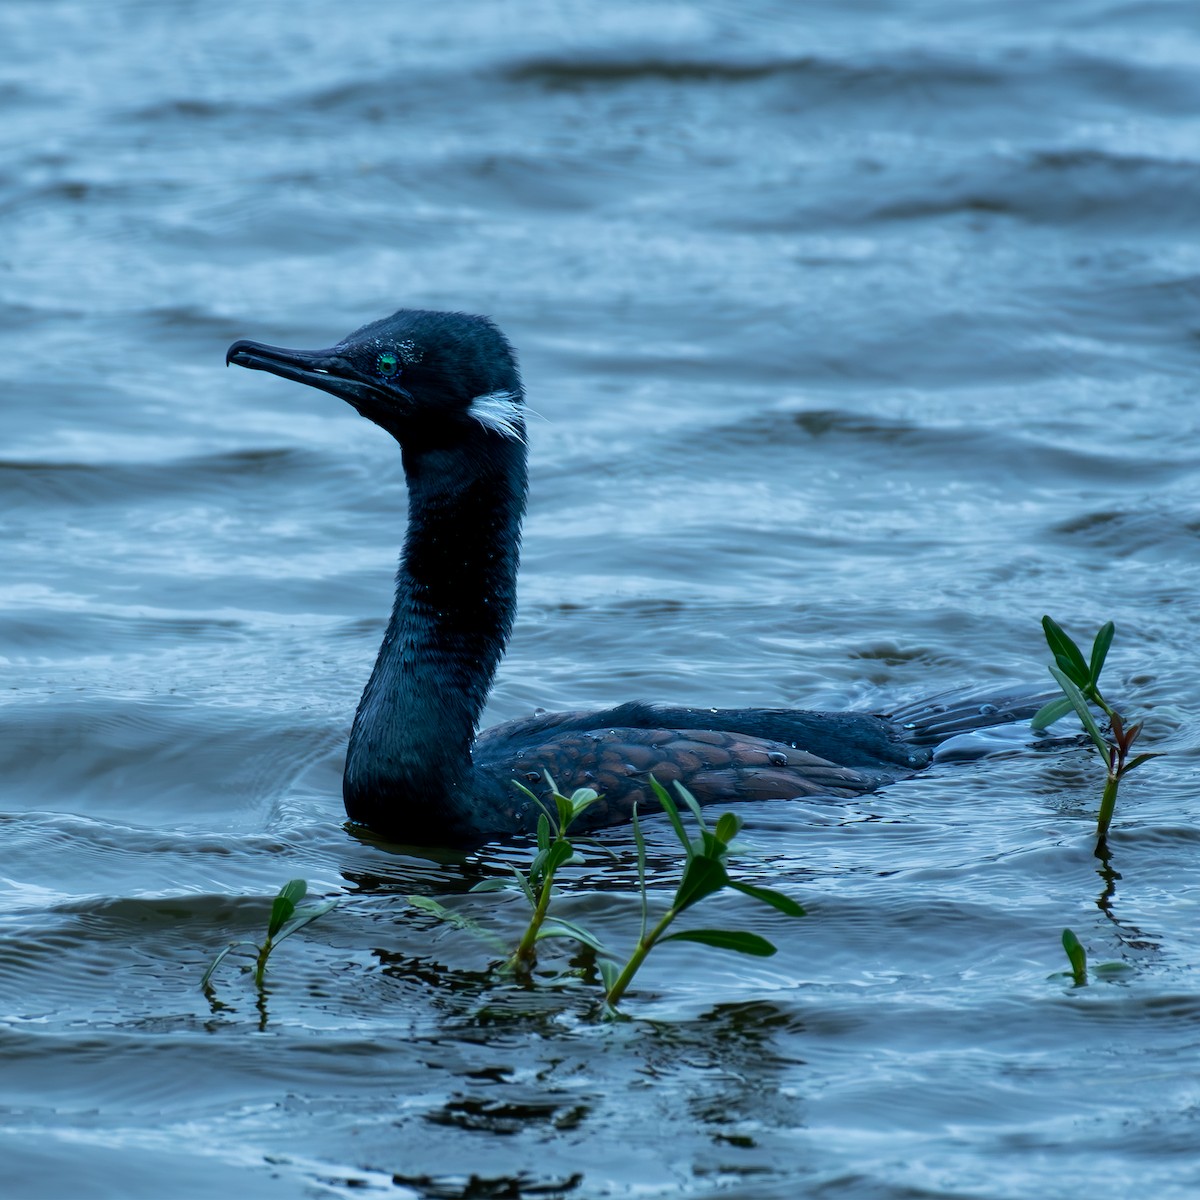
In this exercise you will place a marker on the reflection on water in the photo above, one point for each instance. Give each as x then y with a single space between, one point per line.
861 340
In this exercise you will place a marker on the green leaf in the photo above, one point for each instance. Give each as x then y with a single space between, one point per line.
1077 956
304 916
565 812
216 962
582 798
1062 648
775 899
285 903
538 865
543 832
430 905
523 884
522 788
557 927
458 920
723 939
294 890
1070 670
1079 704
609 972
668 806
596 844
690 801
640 842
493 885
728 828
701 877
1100 651
708 846
1049 713
1141 758
560 852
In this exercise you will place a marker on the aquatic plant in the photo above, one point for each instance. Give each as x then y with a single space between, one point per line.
1069 661
287 917
1079 679
459 920
704 874
554 850
1077 956
1083 973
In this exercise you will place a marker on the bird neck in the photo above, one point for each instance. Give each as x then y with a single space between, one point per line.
410 747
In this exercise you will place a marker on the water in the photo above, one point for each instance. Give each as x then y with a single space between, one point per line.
862 334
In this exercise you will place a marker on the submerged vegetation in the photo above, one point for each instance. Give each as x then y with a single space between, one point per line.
287 917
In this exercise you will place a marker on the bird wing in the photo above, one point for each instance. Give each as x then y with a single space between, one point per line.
714 765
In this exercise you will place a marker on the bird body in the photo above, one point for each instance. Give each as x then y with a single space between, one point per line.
446 386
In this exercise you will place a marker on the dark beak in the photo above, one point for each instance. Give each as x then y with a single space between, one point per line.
324 369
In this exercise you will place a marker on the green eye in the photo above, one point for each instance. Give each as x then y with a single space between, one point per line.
387 364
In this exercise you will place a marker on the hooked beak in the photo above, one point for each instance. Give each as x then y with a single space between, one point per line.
324 369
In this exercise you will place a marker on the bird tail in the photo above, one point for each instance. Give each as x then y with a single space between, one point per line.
933 720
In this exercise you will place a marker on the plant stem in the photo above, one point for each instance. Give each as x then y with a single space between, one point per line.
260 964
630 969
1108 804
524 955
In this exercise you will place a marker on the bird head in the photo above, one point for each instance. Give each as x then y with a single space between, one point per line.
430 379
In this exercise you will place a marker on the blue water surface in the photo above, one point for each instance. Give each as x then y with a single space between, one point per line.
860 336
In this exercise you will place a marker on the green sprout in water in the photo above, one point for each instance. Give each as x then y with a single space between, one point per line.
286 918
704 874
1079 679
1078 957
554 850
1081 974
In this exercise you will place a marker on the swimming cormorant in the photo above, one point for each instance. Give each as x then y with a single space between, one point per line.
446 387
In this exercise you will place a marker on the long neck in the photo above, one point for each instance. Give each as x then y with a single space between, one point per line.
408 766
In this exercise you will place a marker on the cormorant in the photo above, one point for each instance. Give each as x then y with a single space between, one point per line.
447 388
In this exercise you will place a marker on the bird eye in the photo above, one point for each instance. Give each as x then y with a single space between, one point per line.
387 365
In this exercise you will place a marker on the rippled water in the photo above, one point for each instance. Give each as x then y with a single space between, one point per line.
862 334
